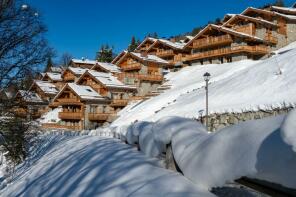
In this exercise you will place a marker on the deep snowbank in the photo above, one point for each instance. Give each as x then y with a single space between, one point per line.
234 87
95 166
254 148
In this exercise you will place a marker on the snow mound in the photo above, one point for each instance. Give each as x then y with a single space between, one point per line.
288 129
51 116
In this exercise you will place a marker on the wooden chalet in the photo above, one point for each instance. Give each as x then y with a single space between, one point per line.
108 86
106 67
54 78
82 63
142 70
173 52
44 89
118 57
82 107
286 23
71 74
145 44
29 105
218 44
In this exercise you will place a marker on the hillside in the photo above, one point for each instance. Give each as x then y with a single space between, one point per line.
234 87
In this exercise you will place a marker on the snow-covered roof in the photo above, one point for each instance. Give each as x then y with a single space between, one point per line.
29 96
145 40
109 80
56 69
233 17
176 45
77 70
291 17
288 10
149 58
114 61
54 76
273 13
85 92
108 67
84 61
227 30
46 87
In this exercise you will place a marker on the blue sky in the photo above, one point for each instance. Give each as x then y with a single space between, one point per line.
80 27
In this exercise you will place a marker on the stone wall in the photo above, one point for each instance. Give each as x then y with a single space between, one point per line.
219 121
291 32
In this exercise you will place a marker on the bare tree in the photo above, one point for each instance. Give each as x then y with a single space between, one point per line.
23 48
65 59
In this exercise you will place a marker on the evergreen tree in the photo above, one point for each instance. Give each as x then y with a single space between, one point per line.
279 3
105 54
49 64
133 45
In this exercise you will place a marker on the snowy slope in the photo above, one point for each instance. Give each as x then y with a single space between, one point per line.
94 166
234 87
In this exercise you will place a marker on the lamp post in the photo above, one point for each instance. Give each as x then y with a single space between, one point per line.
207 79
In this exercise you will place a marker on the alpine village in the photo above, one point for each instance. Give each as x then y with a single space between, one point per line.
91 93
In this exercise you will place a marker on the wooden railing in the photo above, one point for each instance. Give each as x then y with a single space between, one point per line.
119 102
69 78
70 101
54 104
144 77
98 116
248 29
59 126
131 66
205 42
163 53
226 51
70 115
271 39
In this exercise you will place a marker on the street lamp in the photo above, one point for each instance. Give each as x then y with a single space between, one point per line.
207 77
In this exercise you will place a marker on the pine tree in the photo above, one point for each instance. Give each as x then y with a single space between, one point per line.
133 45
49 64
279 3
105 54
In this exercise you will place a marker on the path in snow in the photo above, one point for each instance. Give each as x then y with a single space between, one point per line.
94 166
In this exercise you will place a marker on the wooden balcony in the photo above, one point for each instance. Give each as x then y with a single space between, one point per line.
157 78
69 78
59 126
54 104
248 29
165 53
255 50
212 41
143 77
69 101
70 115
119 102
271 39
98 116
131 66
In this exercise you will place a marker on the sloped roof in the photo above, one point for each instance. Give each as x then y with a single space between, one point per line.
77 70
149 58
146 40
109 80
46 87
85 92
272 13
226 30
54 76
29 96
122 53
84 61
287 10
108 67
56 69
257 20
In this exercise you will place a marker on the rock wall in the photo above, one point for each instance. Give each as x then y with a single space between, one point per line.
219 121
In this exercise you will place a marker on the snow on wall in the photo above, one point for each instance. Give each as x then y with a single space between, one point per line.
234 87
255 149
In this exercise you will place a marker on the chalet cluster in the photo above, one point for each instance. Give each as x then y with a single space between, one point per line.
91 93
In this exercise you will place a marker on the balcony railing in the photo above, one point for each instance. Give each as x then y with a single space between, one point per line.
144 77
164 53
69 101
69 78
271 39
70 115
248 29
59 126
98 116
210 41
119 102
227 51
131 66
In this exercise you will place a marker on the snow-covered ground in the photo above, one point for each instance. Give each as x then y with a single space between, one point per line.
94 166
234 87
